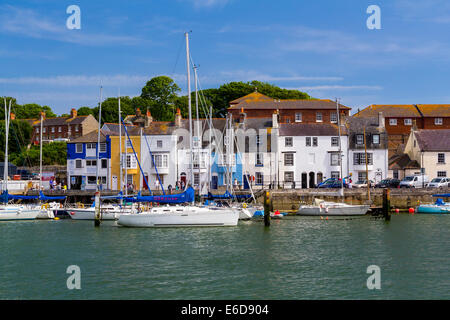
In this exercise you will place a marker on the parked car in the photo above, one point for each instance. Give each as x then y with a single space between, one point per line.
362 184
417 181
439 183
388 183
331 183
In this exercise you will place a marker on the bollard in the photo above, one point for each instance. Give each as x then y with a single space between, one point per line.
97 210
267 208
387 204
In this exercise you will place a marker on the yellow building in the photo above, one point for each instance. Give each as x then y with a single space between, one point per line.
134 176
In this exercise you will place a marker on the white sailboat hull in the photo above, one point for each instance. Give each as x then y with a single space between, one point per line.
89 214
18 213
181 217
333 209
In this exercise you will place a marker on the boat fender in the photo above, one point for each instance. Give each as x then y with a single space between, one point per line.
244 205
326 210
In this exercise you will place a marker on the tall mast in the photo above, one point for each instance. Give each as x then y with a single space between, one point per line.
341 191
98 137
198 128
209 164
141 177
191 174
40 153
5 167
120 149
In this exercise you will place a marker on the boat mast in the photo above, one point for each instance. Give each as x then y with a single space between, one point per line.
197 138
6 164
191 174
341 190
98 137
120 149
209 164
40 153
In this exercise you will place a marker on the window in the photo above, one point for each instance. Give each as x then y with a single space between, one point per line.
130 162
438 121
159 144
91 163
335 141
91 180
288 141
259 178
442 174
407 122
196 179
314 142
59 129
69 129
359 139
362 176
298 117
333 117
44 130
376 139
78 164
76 128
37 129
335 174
53 129
319 117
334 157
90 146
288 176
259 159
161 160
395 174
441 157
360 158
104 163
128 144
79 148
288 120
103 147
288 159
392 122
308 141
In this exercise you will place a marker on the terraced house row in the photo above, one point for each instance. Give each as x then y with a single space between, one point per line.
266 142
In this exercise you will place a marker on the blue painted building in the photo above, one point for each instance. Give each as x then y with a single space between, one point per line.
82 162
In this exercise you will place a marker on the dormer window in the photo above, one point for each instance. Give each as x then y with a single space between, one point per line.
408 122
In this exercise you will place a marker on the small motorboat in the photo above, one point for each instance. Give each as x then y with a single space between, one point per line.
438 207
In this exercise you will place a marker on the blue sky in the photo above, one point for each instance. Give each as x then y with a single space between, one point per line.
322 47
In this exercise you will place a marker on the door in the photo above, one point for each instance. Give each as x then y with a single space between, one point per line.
304 180
114 182
247 182
214 182
311 180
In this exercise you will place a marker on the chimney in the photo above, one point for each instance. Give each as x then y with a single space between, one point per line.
242 116
275 119
73 113
414 126
381 123
12 116
148 118
178 118
138 112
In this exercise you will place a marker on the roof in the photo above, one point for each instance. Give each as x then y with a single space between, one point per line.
310 129
61 121
252 97
406 110
294 104
434 110
433 140
402 161
357 124
90 137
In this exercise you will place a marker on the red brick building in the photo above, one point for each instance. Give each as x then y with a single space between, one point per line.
400 119
257 105
64 128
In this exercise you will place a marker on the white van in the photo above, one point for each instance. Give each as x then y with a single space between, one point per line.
418 181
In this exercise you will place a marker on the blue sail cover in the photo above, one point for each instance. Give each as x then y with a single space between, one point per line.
186 196
227 195
445 195
43 197
5 197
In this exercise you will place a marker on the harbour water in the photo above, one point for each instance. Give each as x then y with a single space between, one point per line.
295 258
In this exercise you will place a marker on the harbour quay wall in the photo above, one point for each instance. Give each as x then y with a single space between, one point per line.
288 199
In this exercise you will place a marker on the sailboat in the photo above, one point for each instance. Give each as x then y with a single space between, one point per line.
181 216
328 208
13 211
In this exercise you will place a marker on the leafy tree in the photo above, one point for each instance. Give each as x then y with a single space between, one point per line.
85 111
162 94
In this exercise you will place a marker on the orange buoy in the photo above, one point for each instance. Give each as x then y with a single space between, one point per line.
397 210
326 218
411 210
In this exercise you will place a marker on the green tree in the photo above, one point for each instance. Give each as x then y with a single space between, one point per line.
161 92
85 111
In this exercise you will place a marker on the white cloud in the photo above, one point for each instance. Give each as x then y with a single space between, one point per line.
29 23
